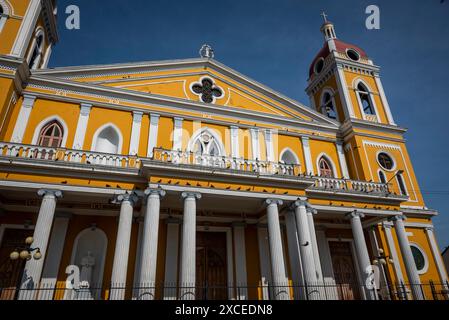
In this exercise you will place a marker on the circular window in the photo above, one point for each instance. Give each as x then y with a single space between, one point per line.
353 54
385 161
420 258
319 65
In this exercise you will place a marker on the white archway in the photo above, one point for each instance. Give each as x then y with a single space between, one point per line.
213 140
287 156
6 12
44 122
108 139
355 85
92 243
36 53
331 92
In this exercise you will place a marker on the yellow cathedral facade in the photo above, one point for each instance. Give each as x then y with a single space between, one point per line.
185 179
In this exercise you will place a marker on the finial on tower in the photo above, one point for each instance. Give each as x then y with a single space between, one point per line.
324 15
328 31
206 51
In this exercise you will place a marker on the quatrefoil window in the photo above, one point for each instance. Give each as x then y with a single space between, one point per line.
207 90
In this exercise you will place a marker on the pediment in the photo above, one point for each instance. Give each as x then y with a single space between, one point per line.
200 80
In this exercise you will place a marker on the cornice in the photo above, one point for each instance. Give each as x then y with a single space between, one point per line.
117 97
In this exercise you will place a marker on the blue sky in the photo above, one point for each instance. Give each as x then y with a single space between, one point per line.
274 41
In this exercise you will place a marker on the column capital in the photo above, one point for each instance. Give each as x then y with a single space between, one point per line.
126 197
191 195
49 193
355 214
299 203
311 211
137 116
85 109
155 192
28 100
277 202
429 228
398 218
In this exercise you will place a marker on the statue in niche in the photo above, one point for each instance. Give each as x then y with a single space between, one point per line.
87 265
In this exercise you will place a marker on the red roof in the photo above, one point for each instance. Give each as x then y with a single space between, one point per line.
341 47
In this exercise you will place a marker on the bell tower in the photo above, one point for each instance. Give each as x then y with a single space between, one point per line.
28 32
344 84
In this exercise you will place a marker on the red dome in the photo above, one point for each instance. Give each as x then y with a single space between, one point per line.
341 47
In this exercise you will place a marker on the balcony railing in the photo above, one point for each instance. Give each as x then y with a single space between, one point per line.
319 291
223 162
67 155
346 185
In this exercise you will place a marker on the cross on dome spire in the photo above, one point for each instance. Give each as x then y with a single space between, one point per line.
324 15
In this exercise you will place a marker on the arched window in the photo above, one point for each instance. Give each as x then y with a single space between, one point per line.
325 168
401 184
51 135
365 99
4 14
288 157
328 107
107 141
206 144
37 54
382 177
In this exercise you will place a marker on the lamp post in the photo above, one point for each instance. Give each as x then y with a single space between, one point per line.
25 253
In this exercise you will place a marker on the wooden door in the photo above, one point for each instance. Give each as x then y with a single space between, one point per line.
11 271
211 266
344 271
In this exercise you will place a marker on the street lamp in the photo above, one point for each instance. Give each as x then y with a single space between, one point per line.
25 253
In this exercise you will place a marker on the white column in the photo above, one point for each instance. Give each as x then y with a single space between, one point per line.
307 156
306 249
316 256
148 261
78 142
47 56
294 255
235 146
342 160
240 261
345 98
137 263
407 256
27 28
384 99
33 268
177 134
361 251
436 255
121 253
153 134
393 253
171 259
269 145
255 143
135 133
23 117
53 261
281 292
265 268
188 252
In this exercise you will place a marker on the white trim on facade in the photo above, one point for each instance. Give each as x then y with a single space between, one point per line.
342 160
26 29
426 259
331 92
355 85
235 143
329 159
177 134
135 133
83 120
198 133
345 98
269 145
153 134
255 144
309 170
23 118
285 150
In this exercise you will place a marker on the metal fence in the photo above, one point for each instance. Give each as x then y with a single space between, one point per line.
318 291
